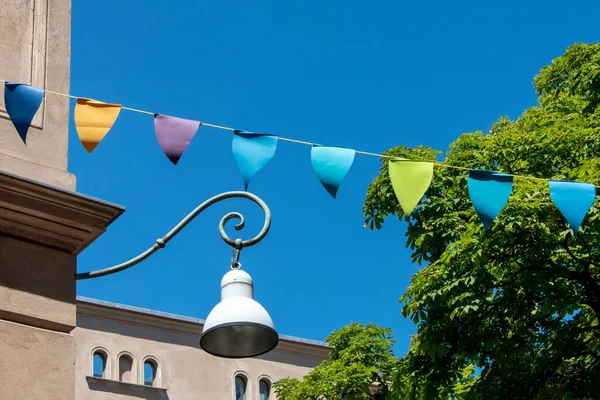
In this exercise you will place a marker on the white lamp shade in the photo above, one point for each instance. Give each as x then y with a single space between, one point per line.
238 326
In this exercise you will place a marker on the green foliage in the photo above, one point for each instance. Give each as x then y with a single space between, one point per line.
520 301
361 355
575 74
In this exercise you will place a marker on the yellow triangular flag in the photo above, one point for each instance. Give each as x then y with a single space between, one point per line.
410 180
93 120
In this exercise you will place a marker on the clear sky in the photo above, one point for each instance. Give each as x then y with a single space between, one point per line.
363 75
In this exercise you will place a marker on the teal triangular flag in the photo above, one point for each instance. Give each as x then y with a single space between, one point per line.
489 192
331 164
252 151
573 199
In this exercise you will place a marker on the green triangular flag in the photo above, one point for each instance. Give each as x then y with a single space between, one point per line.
410 180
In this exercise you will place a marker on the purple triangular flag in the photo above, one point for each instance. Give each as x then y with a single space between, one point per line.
174 134
22 102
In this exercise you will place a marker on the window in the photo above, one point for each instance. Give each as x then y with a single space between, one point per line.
126 368
240 388
99 366
264 389
149 373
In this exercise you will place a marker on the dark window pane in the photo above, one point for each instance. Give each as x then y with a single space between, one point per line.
149 373
99 365
264 390
240 388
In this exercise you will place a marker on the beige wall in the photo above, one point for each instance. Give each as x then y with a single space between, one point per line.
186 371
35 49
37 310
35 364
42 229
37 286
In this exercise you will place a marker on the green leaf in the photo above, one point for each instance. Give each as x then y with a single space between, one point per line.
518 300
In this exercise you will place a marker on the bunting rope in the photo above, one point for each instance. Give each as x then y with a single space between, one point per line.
366 153
226 128
489 190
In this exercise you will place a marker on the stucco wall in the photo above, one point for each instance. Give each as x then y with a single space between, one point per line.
35 364
35 49
186 371
37 285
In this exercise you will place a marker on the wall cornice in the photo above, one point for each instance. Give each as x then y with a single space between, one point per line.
134 316
181 324
50 216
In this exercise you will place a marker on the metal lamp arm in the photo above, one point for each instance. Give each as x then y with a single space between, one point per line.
160 243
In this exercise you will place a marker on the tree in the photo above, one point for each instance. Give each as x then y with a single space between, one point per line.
518 302
361 356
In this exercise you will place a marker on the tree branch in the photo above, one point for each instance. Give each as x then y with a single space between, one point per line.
566 246
589 249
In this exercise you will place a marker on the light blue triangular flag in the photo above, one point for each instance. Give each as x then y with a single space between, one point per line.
331 164
252 151
22 102
573 199
489 191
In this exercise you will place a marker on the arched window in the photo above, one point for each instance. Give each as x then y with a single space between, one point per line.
240 387
99 367
264 389
150 368
126 368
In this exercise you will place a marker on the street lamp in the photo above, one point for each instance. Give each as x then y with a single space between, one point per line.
238 326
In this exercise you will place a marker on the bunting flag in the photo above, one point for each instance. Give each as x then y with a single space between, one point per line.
489 192
410 180
252 151
93 120
331 164
573 200
22 102
174 135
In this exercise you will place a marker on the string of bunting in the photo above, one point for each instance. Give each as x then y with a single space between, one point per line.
489 190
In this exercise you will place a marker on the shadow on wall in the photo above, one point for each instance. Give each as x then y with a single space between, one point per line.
28 268
191 339
126 389
290 358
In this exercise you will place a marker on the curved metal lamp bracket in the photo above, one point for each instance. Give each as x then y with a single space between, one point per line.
238 244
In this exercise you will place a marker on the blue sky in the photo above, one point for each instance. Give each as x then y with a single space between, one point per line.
341 73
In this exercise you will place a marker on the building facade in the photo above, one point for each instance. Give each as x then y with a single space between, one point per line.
126 352
54 346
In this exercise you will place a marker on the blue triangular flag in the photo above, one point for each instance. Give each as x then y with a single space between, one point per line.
331 164
252 151
489 191
573 199
22 102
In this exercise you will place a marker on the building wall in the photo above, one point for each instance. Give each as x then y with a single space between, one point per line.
35 49
35 317
35 363
185 371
